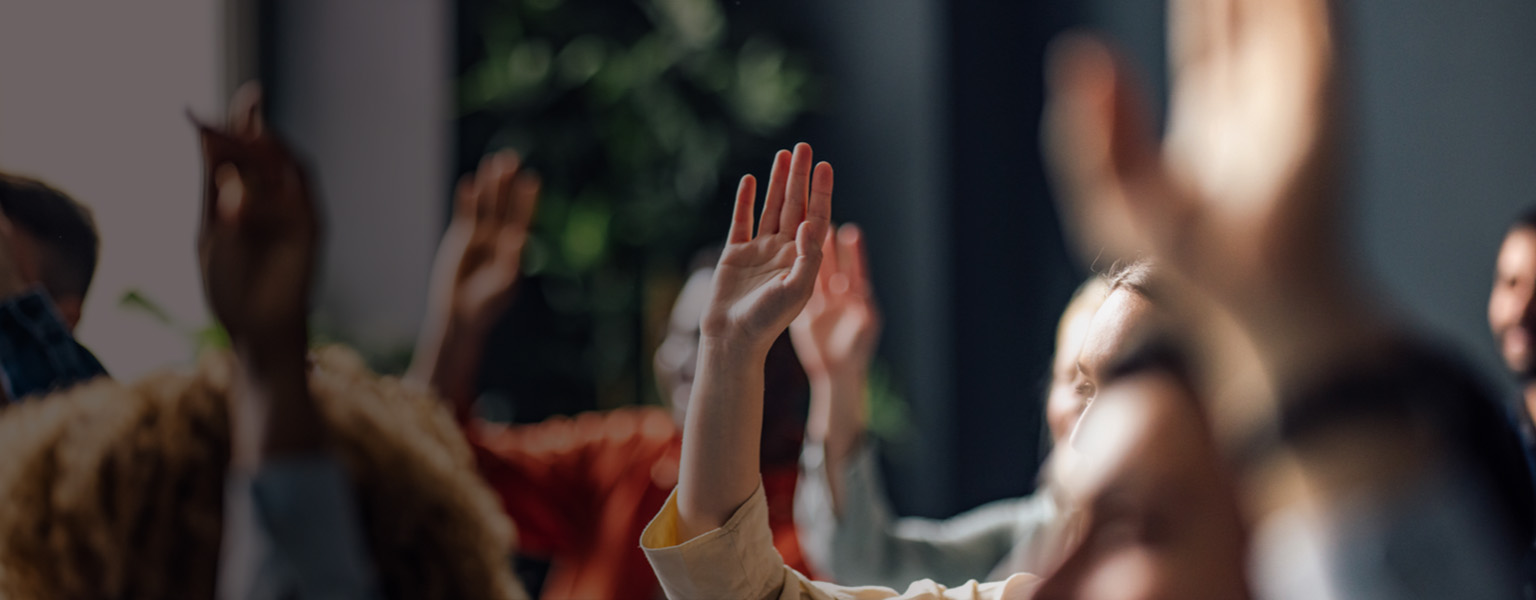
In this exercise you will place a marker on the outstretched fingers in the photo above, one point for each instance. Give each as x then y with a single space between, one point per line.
813 230
829 264
464 197
796 189
245 112
819 208
501 201
773 203
525 199
853 259
741 216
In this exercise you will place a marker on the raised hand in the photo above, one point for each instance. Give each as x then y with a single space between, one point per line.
478 259
474 275
835 338
1241 200
257 248
1242 194
761 283
836 333
260 229
764 280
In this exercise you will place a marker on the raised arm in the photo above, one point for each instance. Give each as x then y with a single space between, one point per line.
712 539
473 276
290 523
1243 200
257 245
761 283
835 338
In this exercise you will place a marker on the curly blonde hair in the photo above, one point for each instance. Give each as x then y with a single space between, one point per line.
117 491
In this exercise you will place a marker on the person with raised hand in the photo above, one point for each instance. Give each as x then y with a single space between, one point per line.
711 540
835 337
292 522
474 275
266 472
848 530
580 489
257 247
1356 438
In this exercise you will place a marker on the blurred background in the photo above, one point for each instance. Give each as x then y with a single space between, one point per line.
641 115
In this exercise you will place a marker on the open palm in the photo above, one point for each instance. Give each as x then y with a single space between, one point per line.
764 280
837 332
1240 196
480 255
260 230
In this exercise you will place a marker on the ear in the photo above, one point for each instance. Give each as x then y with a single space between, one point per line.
69 308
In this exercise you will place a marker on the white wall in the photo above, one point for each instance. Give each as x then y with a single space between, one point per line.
92 96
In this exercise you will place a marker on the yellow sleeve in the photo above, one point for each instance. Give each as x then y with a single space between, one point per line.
738 561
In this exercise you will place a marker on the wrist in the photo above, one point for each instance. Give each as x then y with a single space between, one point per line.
281 351
838 413
732 351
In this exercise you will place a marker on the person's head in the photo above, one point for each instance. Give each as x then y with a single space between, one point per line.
115 491
1156 511
57 235
1063 405
1512 304
1126 313
786 391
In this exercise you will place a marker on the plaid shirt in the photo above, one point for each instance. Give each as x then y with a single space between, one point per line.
38 354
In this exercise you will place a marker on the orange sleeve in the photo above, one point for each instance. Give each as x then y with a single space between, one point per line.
551 476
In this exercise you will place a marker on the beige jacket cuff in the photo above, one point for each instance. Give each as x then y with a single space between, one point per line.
737 560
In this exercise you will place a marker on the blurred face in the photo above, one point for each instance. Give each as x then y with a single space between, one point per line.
1063 405
1156 514
1124 315
1510 313
29 253
678 354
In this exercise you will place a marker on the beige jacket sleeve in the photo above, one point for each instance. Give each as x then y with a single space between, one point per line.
738 562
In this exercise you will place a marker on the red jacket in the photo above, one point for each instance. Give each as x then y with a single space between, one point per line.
580 490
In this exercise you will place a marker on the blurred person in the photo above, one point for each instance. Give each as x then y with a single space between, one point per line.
55 237
264 474
1512 317
116 490
1365 455
1160 516
1156 512
581 489
50 245
846 523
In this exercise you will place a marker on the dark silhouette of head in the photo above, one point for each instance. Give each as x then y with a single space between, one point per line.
57 236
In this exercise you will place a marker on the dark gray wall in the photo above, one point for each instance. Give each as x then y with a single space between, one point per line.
931 119
1443 96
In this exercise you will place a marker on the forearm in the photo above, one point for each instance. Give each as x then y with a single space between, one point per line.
272 415
447 361
721 434
836 422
